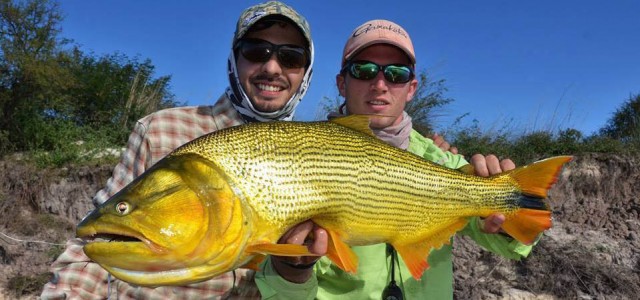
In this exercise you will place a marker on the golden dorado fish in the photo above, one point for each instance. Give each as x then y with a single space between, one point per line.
222 201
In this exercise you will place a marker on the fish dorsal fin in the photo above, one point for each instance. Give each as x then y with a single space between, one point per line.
467 169
355 122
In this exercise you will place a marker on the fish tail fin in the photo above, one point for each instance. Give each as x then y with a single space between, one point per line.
537 178
526 224
534 215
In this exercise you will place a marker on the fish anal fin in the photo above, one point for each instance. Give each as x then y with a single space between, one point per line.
537 178
355 122
279 249
415 257
415 253
341 254
526 224
254 263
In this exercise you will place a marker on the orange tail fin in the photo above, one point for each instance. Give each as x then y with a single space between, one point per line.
537 178
534 181
527 224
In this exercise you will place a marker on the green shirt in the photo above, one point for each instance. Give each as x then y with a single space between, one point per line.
374 272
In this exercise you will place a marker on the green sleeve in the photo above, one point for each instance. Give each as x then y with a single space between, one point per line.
496 243
272 286
425 148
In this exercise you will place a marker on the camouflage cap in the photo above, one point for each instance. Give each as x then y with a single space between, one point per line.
254 13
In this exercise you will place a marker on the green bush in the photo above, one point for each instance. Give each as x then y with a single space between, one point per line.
624 124
52 94
524 148
474 139
60 142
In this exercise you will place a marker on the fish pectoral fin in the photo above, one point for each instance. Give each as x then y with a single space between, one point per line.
526 224
279 249
254 263
416 252
341 254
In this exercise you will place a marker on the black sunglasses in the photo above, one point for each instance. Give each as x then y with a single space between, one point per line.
259 51
367 70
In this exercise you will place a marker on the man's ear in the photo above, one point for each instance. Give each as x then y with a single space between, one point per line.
340 83
413 86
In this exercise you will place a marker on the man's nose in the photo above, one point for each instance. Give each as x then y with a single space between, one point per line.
379 83
272 66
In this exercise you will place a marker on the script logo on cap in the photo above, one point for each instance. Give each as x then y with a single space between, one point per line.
369 27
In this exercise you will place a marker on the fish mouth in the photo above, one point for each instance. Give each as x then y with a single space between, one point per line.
110 237
106 236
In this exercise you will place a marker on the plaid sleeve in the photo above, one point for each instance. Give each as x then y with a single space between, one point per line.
75 277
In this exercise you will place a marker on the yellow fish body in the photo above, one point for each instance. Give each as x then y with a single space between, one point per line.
223 200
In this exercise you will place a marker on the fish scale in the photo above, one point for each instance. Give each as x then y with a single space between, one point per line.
386 182
238 190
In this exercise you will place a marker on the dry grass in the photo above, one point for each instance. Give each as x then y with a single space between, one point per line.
23 285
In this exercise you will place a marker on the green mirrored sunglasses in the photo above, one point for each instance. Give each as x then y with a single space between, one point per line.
367 70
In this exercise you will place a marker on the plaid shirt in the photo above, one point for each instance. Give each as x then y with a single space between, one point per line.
77 277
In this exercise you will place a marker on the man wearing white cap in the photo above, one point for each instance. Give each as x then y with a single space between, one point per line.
377 77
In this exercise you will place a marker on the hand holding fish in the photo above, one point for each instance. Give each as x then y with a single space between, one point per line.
298 269
489 165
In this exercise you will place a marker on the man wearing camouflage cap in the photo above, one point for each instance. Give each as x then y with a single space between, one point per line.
269 69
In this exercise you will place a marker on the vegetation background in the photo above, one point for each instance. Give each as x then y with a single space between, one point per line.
61 104
61 107
57 99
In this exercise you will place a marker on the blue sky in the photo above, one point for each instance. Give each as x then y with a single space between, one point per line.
530 65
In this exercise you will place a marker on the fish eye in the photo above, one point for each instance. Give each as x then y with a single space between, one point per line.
122 208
